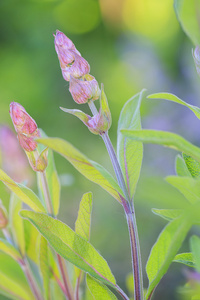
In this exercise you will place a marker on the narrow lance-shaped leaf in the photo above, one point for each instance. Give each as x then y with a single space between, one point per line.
186 259
164 138
173 98
17 223
192 165
13 283
32 237
24 193
98 290
91 170
188 15
71 246
10 250
83 222
130 152
165 249
52 179
44 267
168 214
189 187
195 247
181 167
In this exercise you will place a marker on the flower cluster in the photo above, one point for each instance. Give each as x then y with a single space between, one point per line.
75 69
27 132
82 86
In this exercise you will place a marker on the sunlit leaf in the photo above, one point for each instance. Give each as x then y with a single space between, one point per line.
130 152
195 247
189 187
168 214
192 165
164 138
83 222
24 193
44 266
32 237
71 246
188 15
9 249
12 280
186 259
52 179
98 290
165 249
16 223
181 167
173 98
91 170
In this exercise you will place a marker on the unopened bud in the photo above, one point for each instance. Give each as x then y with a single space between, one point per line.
25 126
3 216
196 56
84 89
71 61
99 123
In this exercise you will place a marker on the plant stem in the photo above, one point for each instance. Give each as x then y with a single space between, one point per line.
77 287
131 221
47 196
136 257
130 216
26 269
68 291
61 261
29 275
121 292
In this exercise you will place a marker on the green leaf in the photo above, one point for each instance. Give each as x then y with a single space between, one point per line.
165 138
91 170
173 98
44 266
16 223
181 167
71 246
186 259
165 249
32 237
83 222
12 280
192 165
188 15
195 247
24 193
99 290
10 250
189 187
168 214
130 152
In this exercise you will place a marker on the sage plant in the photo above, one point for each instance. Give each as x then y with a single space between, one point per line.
40 244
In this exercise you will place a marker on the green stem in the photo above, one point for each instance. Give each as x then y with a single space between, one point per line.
61 261
130 216
29 275
26 269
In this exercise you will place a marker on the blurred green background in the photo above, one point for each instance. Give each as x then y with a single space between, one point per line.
130 45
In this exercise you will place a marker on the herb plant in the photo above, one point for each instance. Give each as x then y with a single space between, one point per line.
38 244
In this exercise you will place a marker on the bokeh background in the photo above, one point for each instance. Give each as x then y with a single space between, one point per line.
130 45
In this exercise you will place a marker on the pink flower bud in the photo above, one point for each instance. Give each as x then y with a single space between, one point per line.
25 126
71 61
3 216
14 161
84 89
